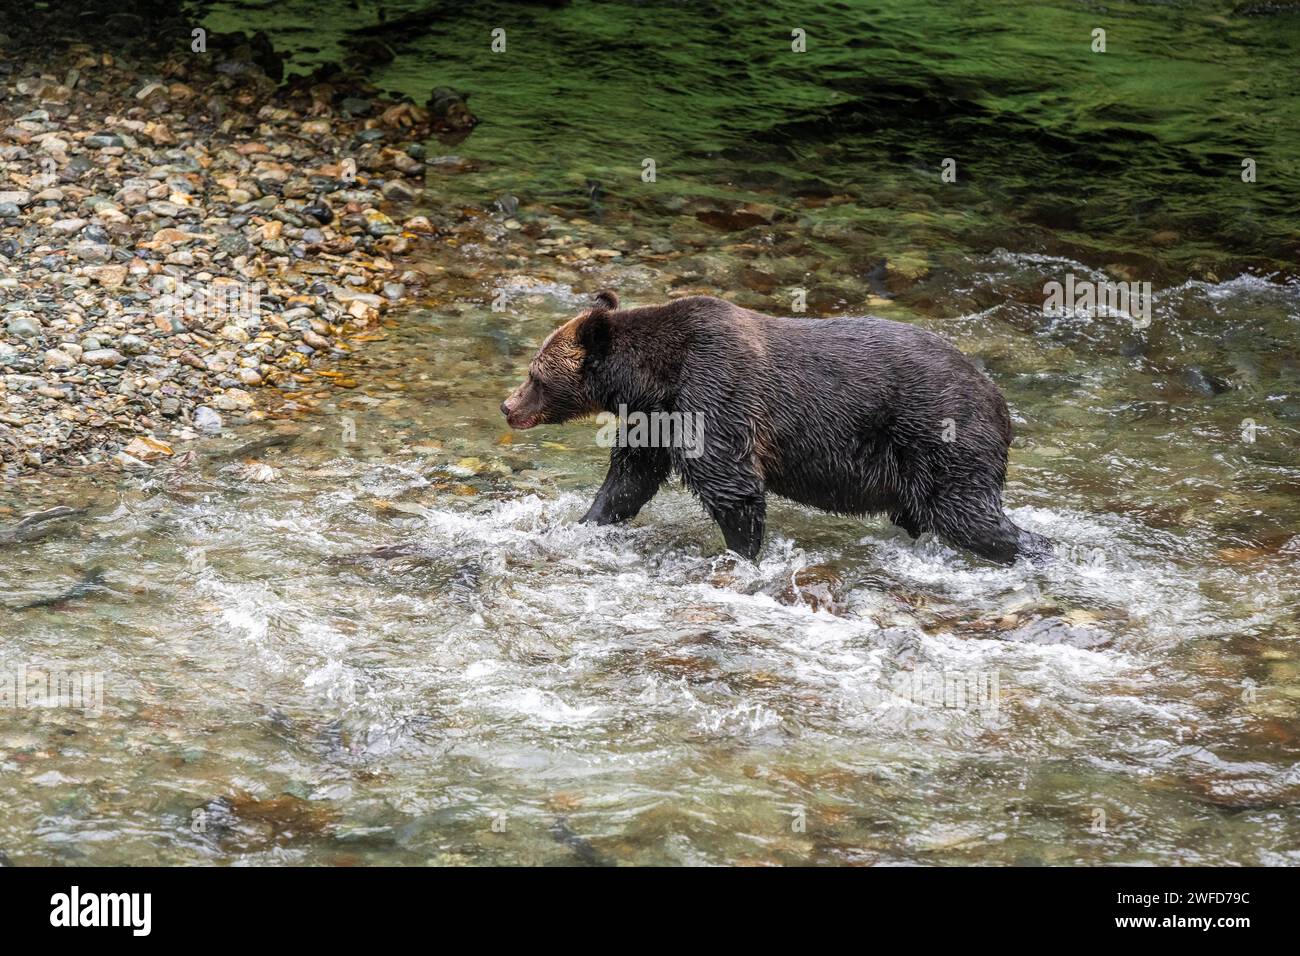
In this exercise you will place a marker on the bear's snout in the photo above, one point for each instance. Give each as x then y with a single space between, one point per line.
521 409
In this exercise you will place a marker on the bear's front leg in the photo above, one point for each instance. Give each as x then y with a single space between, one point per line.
635 474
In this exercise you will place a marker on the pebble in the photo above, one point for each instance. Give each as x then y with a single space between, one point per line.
321 212
55 358
68 227
207 419
23 327
103 141
145 448
380 225
133 345
234 245
103 357
398 191
233 400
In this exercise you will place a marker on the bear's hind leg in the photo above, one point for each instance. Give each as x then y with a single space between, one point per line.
733 495
996 540
741 523
907 522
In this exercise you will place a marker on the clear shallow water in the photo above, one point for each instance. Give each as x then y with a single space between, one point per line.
371 656
403 636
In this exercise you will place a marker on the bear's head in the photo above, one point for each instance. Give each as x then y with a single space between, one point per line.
558 388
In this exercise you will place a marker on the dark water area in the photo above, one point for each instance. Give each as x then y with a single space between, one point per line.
1130 157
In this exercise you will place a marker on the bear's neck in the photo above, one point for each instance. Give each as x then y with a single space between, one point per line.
618 385
636 371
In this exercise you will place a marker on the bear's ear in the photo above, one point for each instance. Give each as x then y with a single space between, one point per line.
594 332
607 299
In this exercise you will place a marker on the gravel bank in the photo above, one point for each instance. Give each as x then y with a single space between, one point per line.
187 243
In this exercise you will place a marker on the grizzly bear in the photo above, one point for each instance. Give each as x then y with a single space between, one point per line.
854 416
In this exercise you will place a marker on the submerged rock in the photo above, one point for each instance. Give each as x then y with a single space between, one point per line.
818 587
449 111
1061 630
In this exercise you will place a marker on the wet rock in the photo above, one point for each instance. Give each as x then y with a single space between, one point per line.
247 821
396 190
111 277
369 299
133 345
320 211
56 359
68 227
731 220
1203 383
91 251
234 245
145 448
257 472
449 112
356 106
758 281
377 224
104 141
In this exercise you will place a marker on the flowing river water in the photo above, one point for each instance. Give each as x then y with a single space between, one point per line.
380 636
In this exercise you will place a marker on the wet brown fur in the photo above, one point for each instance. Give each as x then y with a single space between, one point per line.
846 415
